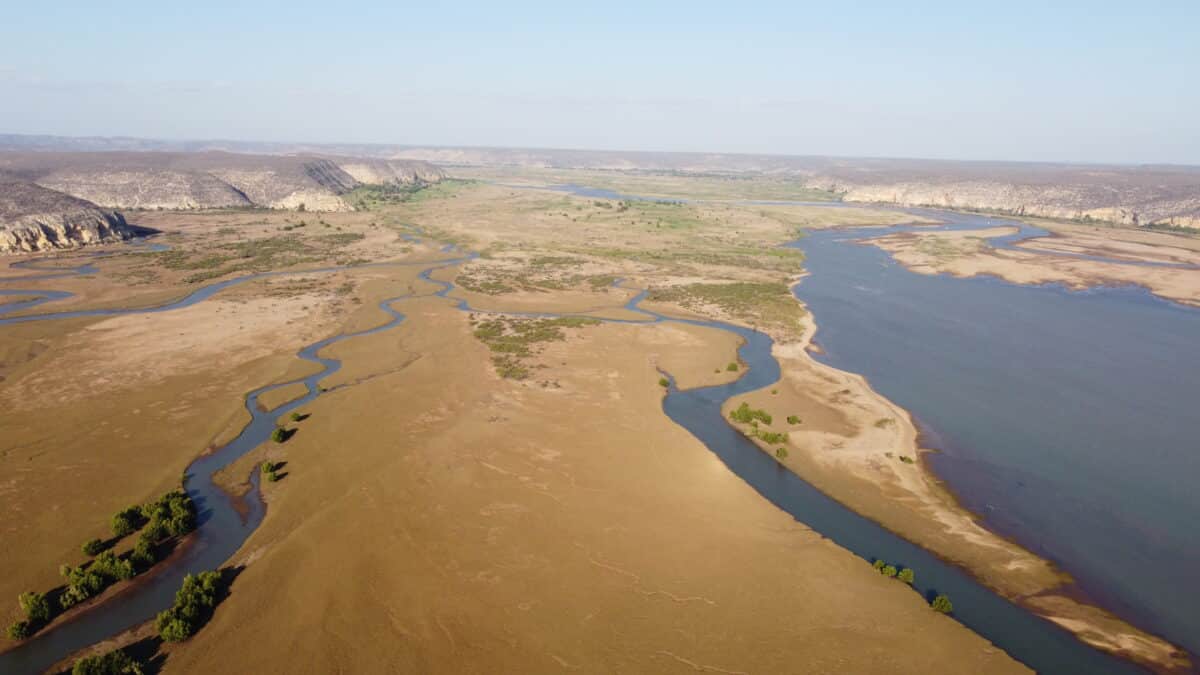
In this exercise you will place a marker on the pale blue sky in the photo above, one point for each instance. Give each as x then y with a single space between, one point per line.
1075 81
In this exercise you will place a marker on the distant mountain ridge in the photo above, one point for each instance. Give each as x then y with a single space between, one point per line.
1142 195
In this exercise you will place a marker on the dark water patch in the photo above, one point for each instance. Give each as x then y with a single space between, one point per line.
1064 417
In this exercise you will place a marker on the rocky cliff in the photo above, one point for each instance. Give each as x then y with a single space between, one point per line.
181 180
1134 196
34 218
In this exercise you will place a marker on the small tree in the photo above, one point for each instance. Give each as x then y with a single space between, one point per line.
907 576
93 547
123 523
879 565
279 435
889 571
942 604
295 417
19 630
664 382
36 607
732 367
272 476
266 467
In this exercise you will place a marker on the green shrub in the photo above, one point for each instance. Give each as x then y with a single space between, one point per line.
266 467
272 477
36 607
93 547
907 576
113 663
296 417
20 630
772 437
781 453
279 435
793 419
85 582
732 367
747 415
172 515
143 554
906 459
194 603
664 382
942 604
879 565
127 521
889 571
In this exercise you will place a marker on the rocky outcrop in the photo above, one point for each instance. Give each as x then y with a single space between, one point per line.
384 172
179 180
34 218
1117 199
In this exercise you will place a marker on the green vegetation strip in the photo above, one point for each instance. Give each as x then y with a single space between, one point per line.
513 340
161 521
758 303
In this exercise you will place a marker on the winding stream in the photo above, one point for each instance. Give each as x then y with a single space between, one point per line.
224 524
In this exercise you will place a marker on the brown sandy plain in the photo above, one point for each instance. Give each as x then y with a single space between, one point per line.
103 412
436 516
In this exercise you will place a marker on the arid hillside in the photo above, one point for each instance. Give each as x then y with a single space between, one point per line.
33 218
53 200
175 180
1147 195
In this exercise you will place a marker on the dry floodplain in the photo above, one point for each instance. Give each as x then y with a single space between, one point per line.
488 491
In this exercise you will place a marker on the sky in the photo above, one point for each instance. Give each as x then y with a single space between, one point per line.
1098 81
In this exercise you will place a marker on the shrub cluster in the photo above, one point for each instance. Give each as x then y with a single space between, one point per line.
942 604
172 515
90 580
746 415
793 419
268 470
127 521
37 612
113 663
194 604
905 574
771 437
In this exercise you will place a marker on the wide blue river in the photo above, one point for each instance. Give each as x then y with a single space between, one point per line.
1066 419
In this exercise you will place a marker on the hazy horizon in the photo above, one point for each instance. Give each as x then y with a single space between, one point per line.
1073 83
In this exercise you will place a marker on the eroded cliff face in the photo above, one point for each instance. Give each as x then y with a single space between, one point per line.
166 180
34 218
1071 201
383 172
